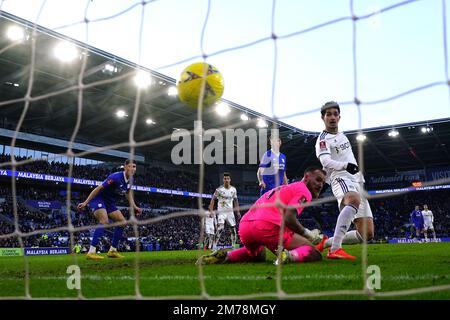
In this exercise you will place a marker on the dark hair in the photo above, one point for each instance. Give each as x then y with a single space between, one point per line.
227 174
329 105
314 168
128 161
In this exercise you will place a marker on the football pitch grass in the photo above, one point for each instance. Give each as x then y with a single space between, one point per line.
174 273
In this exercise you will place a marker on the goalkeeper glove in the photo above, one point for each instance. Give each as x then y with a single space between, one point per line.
352 168
313 235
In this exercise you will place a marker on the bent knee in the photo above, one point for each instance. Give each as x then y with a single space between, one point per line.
103 221
369 236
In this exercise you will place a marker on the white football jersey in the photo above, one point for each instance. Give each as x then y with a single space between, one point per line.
225 198
427 217
209 223
209 220
339 147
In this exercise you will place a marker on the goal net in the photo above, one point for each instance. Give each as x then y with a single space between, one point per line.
99 81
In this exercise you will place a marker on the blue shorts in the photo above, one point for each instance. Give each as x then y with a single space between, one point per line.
418 225
96 204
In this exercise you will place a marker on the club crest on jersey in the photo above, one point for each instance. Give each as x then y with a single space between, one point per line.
110 181
323 145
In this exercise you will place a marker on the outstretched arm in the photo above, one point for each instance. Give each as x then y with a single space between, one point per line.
290 220
130 199
90 197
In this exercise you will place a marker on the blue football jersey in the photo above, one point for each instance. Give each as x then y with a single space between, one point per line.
416 217
273 165
113 187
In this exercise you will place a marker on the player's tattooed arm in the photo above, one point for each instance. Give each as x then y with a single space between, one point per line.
290 220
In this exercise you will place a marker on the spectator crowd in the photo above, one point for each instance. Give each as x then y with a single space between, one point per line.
148 176
391 214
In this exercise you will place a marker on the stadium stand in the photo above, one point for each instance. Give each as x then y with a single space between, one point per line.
149 175
391 215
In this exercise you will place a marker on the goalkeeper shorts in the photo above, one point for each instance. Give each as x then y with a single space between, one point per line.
257 233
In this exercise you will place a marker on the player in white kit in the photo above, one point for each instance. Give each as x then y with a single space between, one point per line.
428 220
226 196
210 222
334 151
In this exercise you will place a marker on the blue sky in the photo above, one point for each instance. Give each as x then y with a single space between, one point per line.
397 50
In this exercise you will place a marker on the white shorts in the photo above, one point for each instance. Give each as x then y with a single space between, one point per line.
209 228
226 216
341 186
428 226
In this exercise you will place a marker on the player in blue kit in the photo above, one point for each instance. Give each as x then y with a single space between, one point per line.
272 169
417 220
103 201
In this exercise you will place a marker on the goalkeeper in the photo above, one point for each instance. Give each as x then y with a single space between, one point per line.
260 226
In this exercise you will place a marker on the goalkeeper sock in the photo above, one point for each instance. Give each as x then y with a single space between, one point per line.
98 233
351 237
117 236
342 225
300 253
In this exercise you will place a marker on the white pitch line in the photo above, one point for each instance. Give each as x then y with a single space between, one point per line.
394 278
